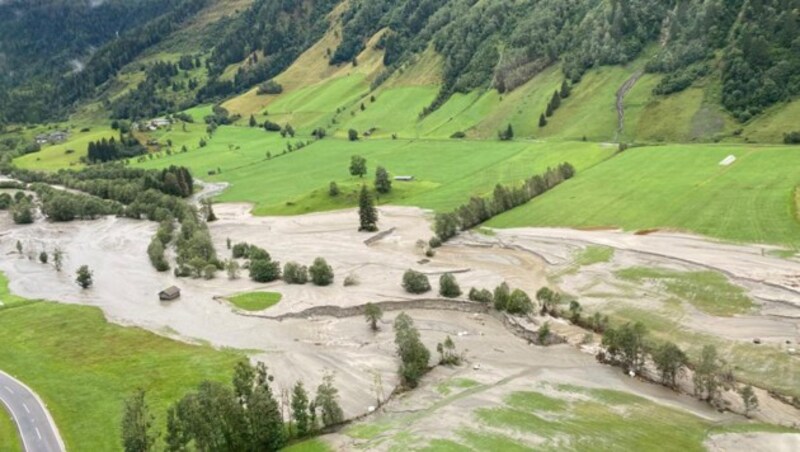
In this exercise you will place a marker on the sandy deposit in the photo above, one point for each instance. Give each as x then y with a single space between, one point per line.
126 290
771 281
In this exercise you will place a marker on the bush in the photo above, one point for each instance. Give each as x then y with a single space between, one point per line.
155 251
351 280
270 126
209 271
269 87
415 282
448 286
333 189
258 254
501 297
482 295
321 273
22 212
458 135
240 250
352 135
264 271
792 138
435 242
294 273
519 303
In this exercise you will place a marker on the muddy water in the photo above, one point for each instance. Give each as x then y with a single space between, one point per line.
126 290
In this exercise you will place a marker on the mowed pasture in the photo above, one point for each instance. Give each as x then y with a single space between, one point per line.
679 187
84 368
446 172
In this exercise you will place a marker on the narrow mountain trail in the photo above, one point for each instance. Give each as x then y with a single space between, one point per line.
621 93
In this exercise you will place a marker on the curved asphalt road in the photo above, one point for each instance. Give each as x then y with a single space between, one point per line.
37 429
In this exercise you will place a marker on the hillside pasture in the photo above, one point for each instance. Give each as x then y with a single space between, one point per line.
53 157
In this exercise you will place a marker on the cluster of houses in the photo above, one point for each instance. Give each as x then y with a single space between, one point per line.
152 125
57 136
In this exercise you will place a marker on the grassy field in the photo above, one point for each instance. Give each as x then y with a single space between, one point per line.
255 301
85 367
9 437
679 187
446 173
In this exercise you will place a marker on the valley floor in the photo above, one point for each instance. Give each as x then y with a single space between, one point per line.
126 290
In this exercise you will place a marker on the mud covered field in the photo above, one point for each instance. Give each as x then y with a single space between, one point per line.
126 290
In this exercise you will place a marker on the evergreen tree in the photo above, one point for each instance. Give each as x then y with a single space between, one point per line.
549 110
137 425
542 120
555 101
253 122
565 89
383 184
367 214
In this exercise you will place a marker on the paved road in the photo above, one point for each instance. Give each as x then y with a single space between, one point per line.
39 432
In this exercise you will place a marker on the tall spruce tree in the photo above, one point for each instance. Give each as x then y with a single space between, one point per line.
556 100
565 90
542 120
367 214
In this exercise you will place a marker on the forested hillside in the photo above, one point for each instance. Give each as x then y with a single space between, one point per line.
70 52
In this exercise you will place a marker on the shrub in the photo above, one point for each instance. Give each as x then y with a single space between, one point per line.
519 303
258 254
269 87
240 250
294 273
264 271
321 273
792 138
501 296
435 242
333 189
350 280
415 282
270 126
480 295
209 271
352 135
448 286
458 135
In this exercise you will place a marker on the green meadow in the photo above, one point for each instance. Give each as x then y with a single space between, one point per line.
9 437
67 154
680 187
84 367
447 172
255 301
